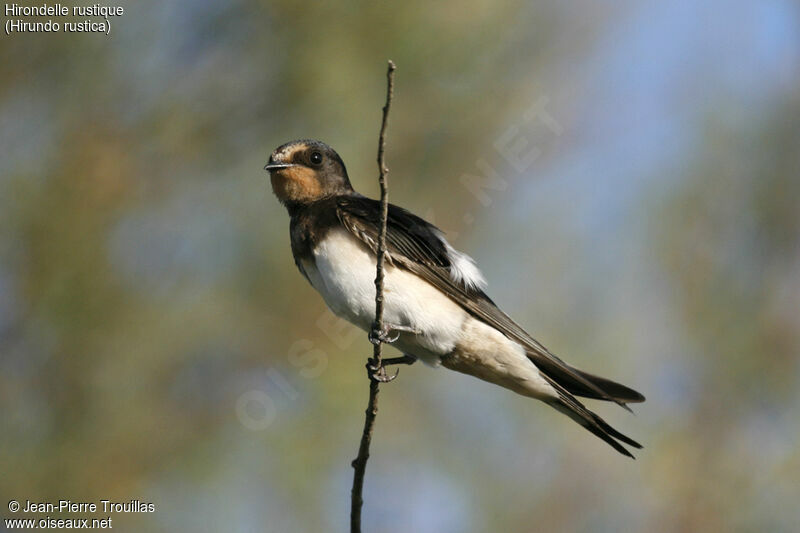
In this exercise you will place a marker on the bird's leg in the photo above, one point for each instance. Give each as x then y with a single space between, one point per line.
405 359
384 335
378 373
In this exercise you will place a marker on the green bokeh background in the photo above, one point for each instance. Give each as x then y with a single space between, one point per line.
157 343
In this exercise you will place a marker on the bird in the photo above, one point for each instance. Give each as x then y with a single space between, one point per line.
435 307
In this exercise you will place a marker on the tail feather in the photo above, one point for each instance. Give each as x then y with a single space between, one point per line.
570 406
617 391
588 385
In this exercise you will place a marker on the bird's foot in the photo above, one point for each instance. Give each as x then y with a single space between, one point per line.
377 372
388 333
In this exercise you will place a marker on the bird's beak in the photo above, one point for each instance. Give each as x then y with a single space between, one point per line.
276 166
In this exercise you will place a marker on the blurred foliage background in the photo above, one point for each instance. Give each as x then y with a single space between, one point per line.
157 343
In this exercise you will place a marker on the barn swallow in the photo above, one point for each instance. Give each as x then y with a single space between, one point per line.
434 300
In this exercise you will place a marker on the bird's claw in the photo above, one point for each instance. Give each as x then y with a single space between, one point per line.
378 373
382 335
388 333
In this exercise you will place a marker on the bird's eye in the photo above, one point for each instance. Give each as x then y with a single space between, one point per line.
316 158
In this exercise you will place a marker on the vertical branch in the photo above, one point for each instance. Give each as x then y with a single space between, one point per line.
375 364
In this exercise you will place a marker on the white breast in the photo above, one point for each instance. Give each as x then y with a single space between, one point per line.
344 274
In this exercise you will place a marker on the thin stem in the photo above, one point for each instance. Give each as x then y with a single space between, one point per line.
375 364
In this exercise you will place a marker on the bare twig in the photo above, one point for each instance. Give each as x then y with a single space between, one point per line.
375 367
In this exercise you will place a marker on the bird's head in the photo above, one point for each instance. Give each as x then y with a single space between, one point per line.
304 171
